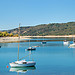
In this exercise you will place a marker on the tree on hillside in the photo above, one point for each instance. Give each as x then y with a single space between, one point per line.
0 34
10 34
15 35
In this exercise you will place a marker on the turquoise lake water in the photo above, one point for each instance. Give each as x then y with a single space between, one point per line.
51 59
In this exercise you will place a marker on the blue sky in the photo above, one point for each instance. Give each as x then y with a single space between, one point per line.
35 12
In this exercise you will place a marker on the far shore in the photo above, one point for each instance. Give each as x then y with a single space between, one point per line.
52 36
15 39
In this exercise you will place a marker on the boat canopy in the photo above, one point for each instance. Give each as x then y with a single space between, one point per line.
20 62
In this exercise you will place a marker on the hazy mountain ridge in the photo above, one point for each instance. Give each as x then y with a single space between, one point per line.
46 29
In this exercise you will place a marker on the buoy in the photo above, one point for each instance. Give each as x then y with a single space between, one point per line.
7 66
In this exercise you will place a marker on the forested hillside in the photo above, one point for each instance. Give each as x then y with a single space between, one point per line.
47 29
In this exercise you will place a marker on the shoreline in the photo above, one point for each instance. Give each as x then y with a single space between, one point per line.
51 36
23 38
12 39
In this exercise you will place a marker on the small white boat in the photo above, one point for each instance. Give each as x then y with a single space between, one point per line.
31 48
65 42
72 45
22 63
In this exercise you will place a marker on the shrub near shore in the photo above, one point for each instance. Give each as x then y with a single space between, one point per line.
5 34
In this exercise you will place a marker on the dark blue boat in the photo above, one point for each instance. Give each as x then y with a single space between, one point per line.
44 42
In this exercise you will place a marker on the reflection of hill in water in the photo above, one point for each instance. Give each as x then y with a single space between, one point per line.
46 39
22 69
34 42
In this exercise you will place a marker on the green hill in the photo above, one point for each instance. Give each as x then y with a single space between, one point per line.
47 29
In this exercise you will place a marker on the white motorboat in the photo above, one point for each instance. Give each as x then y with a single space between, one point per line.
72 45
65 42
31 48
22 63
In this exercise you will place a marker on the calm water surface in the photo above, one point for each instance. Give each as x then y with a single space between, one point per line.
51 59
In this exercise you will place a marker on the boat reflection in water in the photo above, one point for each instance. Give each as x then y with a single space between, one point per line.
21 69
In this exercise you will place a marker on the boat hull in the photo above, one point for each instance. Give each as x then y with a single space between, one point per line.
66 43
72 45
32 49
43 42
22 65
